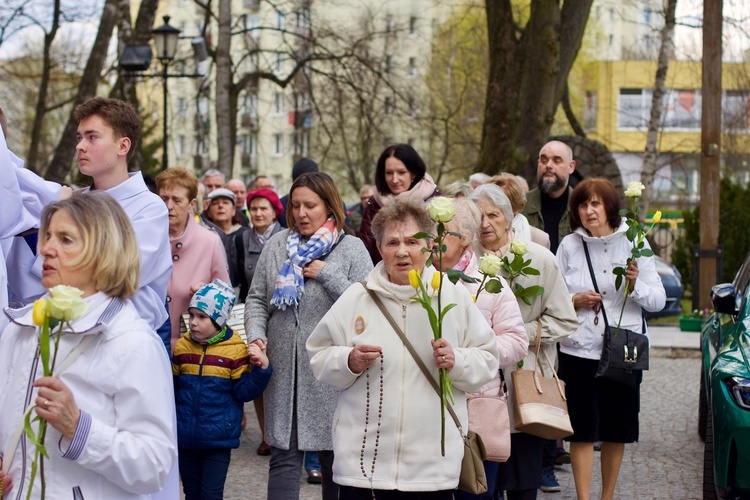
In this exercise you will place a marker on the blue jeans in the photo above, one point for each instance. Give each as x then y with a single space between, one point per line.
490 469
204 472
311 461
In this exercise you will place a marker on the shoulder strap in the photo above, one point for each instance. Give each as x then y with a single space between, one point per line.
593 278
411 350
16 437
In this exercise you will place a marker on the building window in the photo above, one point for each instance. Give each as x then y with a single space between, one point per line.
412 26
647 16
250 104
412 104
303 18
279 66
280 21
278 103
182 108
611 40
589 112
180 146
252 25
278 144
387 65
247 144
735 111
412 67
201 145
681 109
388 106
389 24
301 141
203 106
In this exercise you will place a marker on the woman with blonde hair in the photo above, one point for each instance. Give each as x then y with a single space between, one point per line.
110 407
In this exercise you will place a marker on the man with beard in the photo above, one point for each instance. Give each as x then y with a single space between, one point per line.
547 209
547 205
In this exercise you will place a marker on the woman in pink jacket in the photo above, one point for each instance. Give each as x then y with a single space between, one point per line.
198 256
499 309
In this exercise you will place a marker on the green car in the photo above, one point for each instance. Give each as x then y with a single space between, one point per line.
724 405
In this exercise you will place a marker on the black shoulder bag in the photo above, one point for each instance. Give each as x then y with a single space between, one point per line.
624 352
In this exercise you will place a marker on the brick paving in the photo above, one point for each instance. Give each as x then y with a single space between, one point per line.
666 464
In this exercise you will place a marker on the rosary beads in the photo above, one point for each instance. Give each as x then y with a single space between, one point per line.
367 422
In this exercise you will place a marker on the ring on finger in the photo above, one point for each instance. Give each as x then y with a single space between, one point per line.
47 403
443 359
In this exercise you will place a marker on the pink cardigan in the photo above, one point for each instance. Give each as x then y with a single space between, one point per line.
198 256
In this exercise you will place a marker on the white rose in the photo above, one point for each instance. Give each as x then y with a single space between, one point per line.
442 209
65 303
634 189
518 247
490 265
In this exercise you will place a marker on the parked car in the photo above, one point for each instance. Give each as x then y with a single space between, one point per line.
724 403
672 281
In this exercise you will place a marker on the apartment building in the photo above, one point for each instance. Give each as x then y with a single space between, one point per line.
277 124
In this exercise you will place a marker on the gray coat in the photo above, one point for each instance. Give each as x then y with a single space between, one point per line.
286 330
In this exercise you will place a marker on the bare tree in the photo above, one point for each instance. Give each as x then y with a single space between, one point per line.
65 152
654 123
41 102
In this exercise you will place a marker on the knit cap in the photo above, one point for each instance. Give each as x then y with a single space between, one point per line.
303 166
215 300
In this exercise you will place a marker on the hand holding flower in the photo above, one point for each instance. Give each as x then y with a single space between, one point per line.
631 274
56 404
443 354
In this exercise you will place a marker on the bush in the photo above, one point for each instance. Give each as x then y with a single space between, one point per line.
734 221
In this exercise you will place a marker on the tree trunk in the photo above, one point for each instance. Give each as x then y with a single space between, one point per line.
32 161
657 98
225 112
528 72
65 151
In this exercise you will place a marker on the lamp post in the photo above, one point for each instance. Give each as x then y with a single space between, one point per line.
165 40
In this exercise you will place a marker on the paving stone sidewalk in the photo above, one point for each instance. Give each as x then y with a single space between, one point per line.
666 464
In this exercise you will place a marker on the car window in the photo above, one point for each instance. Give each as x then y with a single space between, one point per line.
741 282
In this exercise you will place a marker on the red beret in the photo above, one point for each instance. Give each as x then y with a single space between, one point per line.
268 194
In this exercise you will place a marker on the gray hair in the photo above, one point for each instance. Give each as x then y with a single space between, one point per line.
467 219
399 211
479 178
494 194
213 173
458 189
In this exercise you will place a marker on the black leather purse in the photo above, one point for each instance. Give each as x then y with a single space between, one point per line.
624 352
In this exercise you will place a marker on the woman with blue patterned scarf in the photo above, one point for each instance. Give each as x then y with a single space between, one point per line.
300 274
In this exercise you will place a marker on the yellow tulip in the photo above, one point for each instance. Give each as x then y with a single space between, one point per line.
436 281
39 313
657 217
414 279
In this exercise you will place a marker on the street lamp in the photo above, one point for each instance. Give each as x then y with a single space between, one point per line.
165 40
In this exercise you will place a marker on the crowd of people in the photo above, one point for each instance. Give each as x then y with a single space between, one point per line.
328 308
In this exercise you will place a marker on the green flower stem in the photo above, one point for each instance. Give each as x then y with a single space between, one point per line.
443 371
481 284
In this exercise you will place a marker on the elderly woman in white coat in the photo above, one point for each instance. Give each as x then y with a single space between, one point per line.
110 411
550 313
601 409
499 309
386 430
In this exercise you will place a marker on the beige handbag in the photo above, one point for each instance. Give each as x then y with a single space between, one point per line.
541 408
472 478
